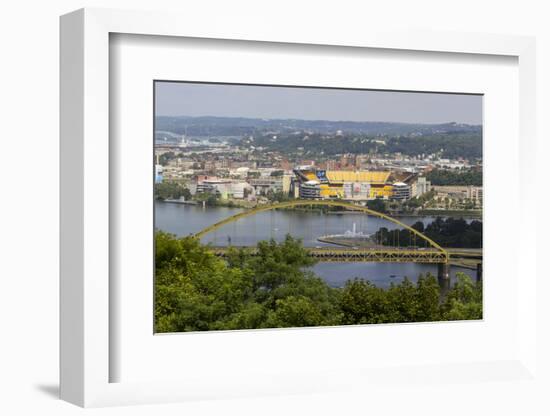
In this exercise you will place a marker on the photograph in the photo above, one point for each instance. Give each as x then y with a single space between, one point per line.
280 206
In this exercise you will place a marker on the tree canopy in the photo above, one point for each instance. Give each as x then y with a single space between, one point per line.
448 232
171 190
452 145
274 288
445 177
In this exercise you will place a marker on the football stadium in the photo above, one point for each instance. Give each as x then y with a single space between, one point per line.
360 185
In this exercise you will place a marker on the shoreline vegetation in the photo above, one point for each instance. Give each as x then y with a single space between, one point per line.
417 213
448 232
175 192
197 291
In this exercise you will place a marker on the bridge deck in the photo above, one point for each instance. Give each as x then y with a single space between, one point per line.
378 254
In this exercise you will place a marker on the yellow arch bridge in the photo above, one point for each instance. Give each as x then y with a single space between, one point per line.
431 253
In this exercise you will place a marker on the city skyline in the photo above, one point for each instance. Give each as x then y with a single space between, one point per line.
305 103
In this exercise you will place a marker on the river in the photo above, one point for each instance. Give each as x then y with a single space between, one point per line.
183 220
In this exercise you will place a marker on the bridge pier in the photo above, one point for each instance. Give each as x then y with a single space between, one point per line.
479 272
444 275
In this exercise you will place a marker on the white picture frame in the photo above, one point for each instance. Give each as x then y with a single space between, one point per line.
86 356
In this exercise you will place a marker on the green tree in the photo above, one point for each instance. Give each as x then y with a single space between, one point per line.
166 157
428 295
276 264
171 190
363 303
295 311
449 232
277 196
403 300
193 288
210 199
457 177
464 300
197 291
252 315
378 205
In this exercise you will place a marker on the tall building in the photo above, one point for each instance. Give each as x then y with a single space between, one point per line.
420 186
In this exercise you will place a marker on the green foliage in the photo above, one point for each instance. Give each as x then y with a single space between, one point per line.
193 287
455 232
364 303
166 157
464 301
197 291
295 311
171 190
427 298
278 196
449 232
210 199
419 201
450 145
378 205
443 177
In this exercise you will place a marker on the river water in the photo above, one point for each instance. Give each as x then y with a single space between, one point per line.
184 220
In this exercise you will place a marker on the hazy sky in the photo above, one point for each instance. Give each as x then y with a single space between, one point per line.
176 98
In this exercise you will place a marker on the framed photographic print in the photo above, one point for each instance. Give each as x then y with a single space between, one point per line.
279 213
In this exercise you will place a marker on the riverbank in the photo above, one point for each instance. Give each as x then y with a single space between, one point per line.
446 213
245 204
178 201
233 203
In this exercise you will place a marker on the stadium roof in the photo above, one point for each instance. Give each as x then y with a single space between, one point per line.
373 177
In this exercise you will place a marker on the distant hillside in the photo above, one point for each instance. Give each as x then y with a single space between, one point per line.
448 145
238 126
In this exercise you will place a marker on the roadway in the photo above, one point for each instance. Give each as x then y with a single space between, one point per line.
378 254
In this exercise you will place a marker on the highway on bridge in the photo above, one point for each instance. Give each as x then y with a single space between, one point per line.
375 254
